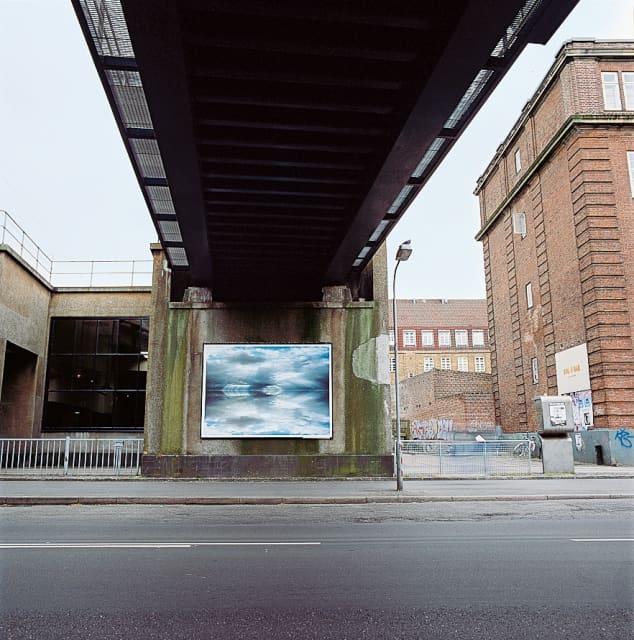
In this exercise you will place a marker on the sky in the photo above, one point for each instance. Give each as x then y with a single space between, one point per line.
66 179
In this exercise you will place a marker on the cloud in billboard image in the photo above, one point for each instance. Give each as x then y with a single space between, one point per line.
267 391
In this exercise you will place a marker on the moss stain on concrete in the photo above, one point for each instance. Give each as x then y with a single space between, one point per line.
364 399
175 384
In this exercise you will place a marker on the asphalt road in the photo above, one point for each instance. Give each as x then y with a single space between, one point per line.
472 570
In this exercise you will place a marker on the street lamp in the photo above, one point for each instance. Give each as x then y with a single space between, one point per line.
403 253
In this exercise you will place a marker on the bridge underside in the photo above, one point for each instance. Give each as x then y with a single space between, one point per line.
277 143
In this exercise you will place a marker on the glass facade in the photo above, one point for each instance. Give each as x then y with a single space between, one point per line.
96 374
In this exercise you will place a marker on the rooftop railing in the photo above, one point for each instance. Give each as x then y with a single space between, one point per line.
12 235
73 273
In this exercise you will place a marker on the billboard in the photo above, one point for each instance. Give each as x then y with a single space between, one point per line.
266 391
573 372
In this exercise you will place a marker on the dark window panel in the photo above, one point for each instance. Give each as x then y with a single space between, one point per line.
87 336
83 372
62 335
124 410
129 336
103 372
105 336
139 412
145 332
60 372
126 372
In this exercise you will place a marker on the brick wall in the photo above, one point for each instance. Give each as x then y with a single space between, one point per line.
578 253
462 400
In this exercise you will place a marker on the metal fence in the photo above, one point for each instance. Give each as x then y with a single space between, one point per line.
429 458
71 456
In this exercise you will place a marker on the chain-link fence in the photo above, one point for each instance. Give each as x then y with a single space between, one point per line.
429 458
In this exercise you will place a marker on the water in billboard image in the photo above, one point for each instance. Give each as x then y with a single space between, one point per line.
266 391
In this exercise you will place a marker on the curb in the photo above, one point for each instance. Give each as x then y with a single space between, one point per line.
156 500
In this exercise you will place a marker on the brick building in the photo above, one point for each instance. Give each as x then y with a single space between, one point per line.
557 230
451 335
441 404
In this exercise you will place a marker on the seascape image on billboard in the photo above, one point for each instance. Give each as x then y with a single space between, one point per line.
267 391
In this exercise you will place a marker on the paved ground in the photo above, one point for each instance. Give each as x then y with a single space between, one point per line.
588 482
547 570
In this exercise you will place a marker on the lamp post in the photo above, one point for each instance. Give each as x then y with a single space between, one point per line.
403 253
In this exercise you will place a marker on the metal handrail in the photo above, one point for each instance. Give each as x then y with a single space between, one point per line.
73 273
14 236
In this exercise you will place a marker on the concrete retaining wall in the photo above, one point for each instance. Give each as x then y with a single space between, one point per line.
605 446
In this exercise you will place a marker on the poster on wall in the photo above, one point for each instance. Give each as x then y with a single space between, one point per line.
573 372
267 391
582 409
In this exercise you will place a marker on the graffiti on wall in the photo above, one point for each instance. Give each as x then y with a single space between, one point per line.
479 426
624 437
433 429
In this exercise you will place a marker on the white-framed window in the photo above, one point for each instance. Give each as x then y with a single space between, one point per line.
519 224
410 374
428 338
392 364
518 161
477 337
409 338
479 364
611 93
463 363
445 363
529 295
391 337
630 166
444 338
462 338
428 363
628 89
535 369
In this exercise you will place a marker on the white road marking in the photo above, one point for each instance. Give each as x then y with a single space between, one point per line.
146 545
602 539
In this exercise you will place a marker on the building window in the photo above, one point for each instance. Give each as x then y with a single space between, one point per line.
444 338
529 295
477 338
519 224
392 364
479 364
391 337
96 374
462 338
428 338
445 364
409 338
463 363
535 370
410 374
628 89
518 161
428 364
630 164
611 93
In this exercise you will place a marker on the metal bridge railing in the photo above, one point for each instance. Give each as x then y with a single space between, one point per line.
71 456
429 458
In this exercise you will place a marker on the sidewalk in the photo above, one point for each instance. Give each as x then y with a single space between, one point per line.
589 483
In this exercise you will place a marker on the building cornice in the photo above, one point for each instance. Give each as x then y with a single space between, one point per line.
603 120
569 50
